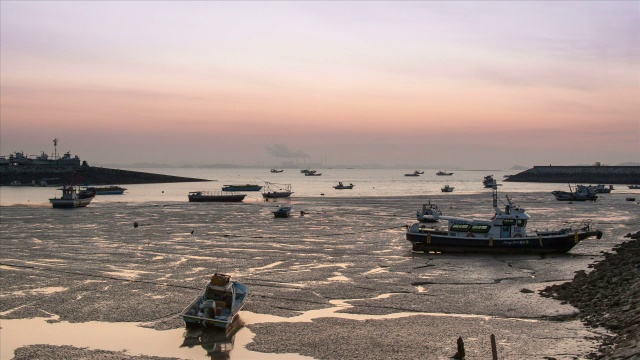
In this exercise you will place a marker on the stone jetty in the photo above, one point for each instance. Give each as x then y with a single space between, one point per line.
28 175
580 174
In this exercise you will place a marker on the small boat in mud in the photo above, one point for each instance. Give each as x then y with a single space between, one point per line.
282 212
342 186
218 305
276 171
444 173
447 188
505 232
72 198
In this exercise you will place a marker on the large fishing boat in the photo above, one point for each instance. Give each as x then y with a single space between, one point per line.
505 232
578 193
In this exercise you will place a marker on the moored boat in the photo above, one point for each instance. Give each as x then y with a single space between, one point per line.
601 189
447 188
342 186
489 181
107 190
506 232
276 171
415 173
276 191
444 173
429 213
214 196
579 193
634 187
282 212
72 197
242 187
218 305
312 173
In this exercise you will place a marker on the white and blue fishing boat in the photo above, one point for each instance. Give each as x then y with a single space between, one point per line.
219 304
505 232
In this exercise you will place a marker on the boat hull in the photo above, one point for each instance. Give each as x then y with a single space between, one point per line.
242 188
217 198
69 203
276 195
556 243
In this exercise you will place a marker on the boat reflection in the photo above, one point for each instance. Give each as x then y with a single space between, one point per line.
218 342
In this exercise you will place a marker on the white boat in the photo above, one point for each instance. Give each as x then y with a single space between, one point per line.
342 186
505 232
578 193
218 305
72 198
447 188
429 213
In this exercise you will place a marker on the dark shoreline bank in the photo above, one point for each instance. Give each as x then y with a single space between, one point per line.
609 296
28 175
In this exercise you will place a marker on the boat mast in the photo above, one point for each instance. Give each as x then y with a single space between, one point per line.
55 149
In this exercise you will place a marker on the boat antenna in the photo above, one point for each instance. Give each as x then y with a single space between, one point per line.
495 196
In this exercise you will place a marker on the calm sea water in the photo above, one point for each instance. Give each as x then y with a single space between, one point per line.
368 182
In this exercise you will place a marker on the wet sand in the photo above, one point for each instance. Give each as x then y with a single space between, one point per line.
340 282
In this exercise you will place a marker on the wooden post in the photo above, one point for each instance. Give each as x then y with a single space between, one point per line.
494 351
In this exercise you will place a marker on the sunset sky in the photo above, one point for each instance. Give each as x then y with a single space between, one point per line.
471 84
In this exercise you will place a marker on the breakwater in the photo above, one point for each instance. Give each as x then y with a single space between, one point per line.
580 174
32 175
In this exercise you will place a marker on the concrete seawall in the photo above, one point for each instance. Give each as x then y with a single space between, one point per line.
580 174
84 175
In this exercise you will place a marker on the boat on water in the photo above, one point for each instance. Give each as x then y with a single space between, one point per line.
218 305
579 193
601 189
282 212
429 213
634 187
72 197
312 173
447 188
215 196
415 173
306 171
242 187
276 191
505 232
342 186
276 171
444 173
489 181
107 190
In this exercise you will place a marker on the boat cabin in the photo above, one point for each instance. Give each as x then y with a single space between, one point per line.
221 294
508 223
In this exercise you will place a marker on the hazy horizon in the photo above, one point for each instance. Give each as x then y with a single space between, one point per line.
486 85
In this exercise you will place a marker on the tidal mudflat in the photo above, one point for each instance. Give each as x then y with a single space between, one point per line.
339 282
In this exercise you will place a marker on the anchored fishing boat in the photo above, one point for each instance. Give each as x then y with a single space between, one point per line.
444 173
282 212
428 213
506 232
415 173
342 186
276 191
242 187
218 305
579 193
107 190
214 196
72 198
447 188
276 171
489 181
